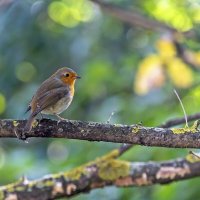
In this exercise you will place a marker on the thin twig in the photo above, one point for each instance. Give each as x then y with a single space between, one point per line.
194 154
185 115
178 121
111 115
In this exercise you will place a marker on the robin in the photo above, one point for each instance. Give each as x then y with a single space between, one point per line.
53 96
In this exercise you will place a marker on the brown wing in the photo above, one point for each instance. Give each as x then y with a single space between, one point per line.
50 84
48 99
51 91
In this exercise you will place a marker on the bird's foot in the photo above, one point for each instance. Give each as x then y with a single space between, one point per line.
21 136
60 118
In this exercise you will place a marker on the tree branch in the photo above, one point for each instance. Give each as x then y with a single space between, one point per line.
178 121
104 171
185 54
167 124
134 18
117 133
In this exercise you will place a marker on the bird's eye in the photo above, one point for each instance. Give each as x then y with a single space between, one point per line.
67 75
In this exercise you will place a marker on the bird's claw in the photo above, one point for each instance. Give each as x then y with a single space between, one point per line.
66 120
60 119
21 136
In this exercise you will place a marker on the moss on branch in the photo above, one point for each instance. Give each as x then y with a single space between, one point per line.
188 137
104 171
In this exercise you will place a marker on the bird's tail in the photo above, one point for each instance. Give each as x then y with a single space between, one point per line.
29 124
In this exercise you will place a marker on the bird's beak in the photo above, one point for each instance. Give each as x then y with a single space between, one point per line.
77 77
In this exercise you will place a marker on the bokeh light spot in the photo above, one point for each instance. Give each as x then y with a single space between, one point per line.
57 152
150 75
25 71
70 13
173 13
2 103
196 92
183 80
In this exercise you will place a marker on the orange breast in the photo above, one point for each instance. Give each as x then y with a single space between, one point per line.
72 90
69 82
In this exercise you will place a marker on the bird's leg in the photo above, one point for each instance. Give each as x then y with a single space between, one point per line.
41 116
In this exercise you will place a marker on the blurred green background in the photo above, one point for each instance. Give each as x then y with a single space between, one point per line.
128 70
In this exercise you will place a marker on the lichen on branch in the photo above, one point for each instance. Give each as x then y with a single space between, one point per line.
117 133
104 171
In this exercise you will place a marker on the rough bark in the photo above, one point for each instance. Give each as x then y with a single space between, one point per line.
117 133
104 171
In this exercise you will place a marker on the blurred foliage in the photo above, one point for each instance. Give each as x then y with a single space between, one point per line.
125 69
69 13
152 69
182 14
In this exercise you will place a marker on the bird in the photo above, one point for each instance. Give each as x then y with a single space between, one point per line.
53 96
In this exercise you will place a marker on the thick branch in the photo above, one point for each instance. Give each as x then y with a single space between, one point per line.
104 171
92 131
